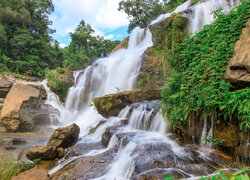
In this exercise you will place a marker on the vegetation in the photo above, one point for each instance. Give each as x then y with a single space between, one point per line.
84 47
222 176
167 34
9 167
26 46
57 84
197 84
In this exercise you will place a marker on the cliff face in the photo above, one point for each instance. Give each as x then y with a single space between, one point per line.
238 69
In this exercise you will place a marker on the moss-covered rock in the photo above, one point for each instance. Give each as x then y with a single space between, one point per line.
111 105
154 68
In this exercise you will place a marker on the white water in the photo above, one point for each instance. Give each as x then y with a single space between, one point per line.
200 14
119 71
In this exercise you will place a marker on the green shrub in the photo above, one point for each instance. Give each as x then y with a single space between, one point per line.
57 85
197 84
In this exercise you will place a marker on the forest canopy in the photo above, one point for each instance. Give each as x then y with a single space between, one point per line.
26 45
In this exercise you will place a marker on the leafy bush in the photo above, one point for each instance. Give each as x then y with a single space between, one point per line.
197 84
57 85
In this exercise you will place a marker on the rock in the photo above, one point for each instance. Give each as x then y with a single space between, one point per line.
85 168
107 135
111 105
123 44
238 69
5 85
42 151
228 133
65 137
60 152
24 108
242 154
154 70
243 151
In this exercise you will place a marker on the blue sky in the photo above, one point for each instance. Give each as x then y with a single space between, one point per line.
102 15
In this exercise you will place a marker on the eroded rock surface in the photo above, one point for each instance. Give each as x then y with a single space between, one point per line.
238 69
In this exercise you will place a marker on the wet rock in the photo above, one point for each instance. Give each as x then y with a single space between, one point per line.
86 168
43 152
24 108
65 137
111 105
97 126
107 135
12 141
238 69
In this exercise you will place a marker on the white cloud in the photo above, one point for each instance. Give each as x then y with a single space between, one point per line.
100 14
62 45
110 36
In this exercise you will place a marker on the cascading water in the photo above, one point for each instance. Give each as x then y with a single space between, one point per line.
142 146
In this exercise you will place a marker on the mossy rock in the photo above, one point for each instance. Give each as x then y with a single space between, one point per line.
111 105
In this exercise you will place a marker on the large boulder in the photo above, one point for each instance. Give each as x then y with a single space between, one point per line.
24 108
111 105
43 152
238 69
65 137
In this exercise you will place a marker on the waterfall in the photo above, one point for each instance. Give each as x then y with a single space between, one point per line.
201 13
143 142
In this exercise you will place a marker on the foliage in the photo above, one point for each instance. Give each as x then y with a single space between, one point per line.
141 12
25 39
9 167
214 140
222 176
235 176
57 85
84 47
24 35
197 84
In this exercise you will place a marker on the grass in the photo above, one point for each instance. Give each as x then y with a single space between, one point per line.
10 168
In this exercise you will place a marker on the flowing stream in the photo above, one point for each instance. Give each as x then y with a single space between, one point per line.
142 140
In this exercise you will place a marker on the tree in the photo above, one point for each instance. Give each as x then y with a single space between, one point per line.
141 12
25 36
85 47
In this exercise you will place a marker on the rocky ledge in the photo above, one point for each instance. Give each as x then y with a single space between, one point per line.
238 69
111 105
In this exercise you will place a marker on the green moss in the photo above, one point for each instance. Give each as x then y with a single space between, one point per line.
197 84
193 2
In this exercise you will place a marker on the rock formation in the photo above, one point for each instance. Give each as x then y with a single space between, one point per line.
238 69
